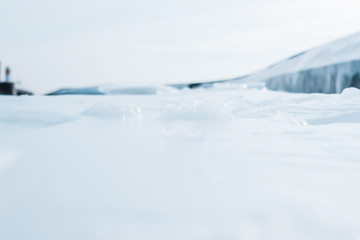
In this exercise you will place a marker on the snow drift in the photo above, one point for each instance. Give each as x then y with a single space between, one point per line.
326 69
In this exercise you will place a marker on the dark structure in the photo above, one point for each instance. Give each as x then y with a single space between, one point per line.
8 88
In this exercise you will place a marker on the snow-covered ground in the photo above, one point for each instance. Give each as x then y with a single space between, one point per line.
223 163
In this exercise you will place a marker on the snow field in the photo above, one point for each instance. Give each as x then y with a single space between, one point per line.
214 164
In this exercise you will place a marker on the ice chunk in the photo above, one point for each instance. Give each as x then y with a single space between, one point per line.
238 105
183 130
210 111
284 117
110 110
104 110
350 94
202 110
173 111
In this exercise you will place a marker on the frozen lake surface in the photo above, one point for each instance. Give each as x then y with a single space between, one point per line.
223 163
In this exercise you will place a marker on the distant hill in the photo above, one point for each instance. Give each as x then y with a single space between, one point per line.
329 68
326 69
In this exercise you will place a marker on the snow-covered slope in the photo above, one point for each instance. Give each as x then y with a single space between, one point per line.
326 69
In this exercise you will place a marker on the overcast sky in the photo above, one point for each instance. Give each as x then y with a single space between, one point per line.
59 43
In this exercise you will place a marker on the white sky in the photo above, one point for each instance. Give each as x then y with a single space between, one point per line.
59 43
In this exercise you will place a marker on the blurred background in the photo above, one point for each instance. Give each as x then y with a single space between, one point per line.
75 43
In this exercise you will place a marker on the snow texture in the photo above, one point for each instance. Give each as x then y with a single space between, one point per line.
222 163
